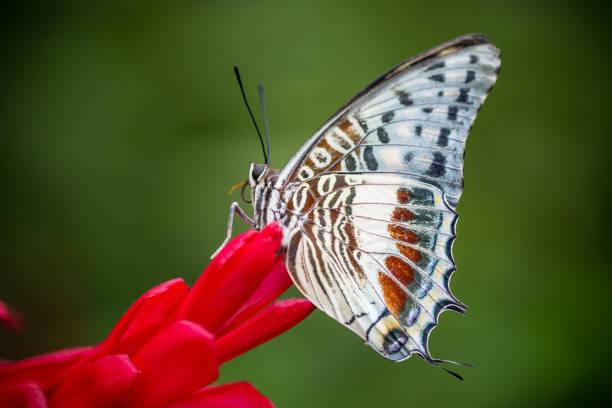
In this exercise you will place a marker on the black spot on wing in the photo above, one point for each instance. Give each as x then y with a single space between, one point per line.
343 143
471 75
448 248
437 167
382 135
335 198
435 66
473 59
452 113
418 129
408 157
394 341
370 160
440 94
292 252
325 185
443 137
349 201
350 321
427 110
320 157
363 125
463 95
404 98
437 78
351 164
419 196
388 117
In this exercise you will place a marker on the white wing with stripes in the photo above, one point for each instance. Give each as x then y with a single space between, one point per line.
371 197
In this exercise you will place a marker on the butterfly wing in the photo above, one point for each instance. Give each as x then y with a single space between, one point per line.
374 191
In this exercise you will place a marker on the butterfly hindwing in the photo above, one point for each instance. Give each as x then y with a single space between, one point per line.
319 261
372 197
400 259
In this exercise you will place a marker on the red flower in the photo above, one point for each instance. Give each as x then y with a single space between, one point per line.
9 318
166 349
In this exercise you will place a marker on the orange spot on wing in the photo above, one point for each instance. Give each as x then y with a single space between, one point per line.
395 297
409 252
347 127
304 193
337 167
309 202
309 163
402 215
335 155
403 196
400 269
402 234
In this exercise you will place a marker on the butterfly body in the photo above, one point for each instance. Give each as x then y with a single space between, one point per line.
368 202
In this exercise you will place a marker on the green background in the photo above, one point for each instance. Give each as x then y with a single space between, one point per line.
123 129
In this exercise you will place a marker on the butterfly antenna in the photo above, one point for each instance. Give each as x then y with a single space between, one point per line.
262 101
250 112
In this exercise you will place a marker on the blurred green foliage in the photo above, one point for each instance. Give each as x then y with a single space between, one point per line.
123 128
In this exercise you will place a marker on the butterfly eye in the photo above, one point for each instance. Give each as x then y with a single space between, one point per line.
258 171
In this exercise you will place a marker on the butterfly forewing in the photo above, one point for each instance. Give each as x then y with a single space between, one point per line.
371 197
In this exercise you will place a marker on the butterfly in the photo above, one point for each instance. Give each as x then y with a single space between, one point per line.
367 204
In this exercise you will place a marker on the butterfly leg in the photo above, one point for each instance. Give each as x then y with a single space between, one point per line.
234 209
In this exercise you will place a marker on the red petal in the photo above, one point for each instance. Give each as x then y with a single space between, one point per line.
273 285
191 305
179 360
272 321
240 394
9 318
44 370
222 290
150 313
25 395
106 382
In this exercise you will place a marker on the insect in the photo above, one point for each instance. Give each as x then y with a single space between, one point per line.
367 204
